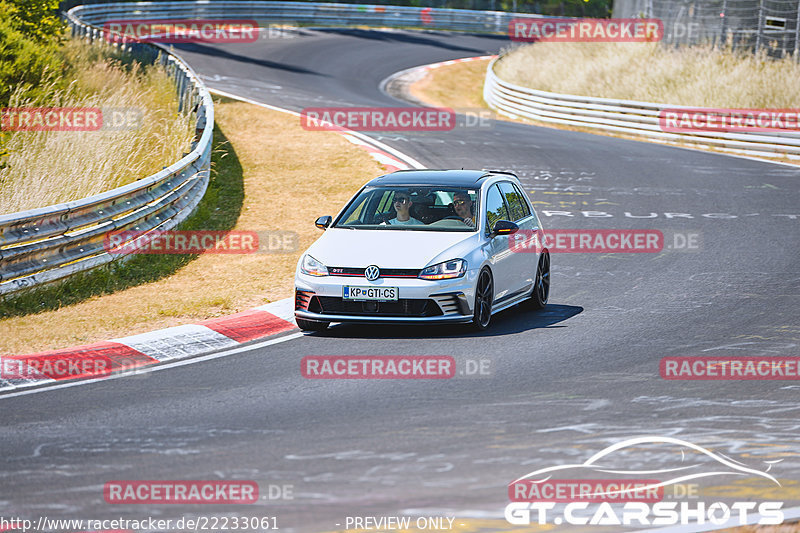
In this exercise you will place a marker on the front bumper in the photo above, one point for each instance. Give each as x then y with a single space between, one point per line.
420 301
458 319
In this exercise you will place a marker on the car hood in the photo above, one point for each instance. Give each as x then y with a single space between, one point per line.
385 248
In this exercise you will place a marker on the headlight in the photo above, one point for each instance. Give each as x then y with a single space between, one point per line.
454 268
312 267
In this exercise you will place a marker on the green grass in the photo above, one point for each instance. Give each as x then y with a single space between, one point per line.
218 210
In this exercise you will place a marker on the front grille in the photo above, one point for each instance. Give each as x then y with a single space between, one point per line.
406 307
385 272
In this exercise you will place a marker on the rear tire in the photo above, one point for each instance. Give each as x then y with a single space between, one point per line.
541 287
484 295
311 325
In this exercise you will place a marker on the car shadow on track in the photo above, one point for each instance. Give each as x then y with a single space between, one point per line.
437 39
513 320
219 52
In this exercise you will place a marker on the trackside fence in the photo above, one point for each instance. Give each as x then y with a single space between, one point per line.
627 117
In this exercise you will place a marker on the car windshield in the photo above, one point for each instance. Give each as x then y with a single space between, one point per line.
412 208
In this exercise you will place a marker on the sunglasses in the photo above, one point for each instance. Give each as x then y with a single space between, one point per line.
402 200
460 202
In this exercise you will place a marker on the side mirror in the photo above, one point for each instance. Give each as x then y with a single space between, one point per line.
504 227
323 222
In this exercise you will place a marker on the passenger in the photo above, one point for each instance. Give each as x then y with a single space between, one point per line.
462 203
402 204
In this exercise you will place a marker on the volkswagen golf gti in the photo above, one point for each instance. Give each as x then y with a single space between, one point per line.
425 246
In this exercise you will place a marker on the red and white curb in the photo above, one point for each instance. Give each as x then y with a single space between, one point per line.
103 359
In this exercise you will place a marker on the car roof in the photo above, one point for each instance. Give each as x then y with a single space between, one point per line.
428 177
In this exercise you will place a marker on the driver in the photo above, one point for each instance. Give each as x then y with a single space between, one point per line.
462 204
402 204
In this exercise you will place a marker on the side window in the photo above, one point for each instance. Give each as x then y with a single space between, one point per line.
363 211
495 207
522 200
356 213
517 206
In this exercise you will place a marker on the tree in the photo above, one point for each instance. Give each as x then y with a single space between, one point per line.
37 19
26 62
564 8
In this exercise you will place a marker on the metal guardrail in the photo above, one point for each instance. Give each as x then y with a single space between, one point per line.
308 13
624 116
50 243
47 244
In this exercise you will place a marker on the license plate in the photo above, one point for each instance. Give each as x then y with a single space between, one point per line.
370 294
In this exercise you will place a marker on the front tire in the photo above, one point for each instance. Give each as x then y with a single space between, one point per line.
484 295
541 287
311 325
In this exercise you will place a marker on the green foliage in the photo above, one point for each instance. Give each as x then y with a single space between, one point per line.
561 8
36 19
27 61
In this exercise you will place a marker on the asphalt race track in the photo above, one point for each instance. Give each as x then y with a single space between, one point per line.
563 383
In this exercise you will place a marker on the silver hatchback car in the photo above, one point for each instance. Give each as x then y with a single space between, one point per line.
425 246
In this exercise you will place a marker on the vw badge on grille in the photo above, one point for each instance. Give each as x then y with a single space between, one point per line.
372 273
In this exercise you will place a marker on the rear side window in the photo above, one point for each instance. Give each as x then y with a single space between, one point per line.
523 200
516 203
495 207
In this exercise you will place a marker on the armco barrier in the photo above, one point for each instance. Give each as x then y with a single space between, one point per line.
319 14
50 243
624 116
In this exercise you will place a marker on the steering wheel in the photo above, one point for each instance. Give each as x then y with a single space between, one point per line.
452 217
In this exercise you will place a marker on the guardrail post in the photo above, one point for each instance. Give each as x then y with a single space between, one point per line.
724 31
797 35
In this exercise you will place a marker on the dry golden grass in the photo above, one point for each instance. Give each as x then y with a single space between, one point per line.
49 167
291 176
458 85
650 72
461 85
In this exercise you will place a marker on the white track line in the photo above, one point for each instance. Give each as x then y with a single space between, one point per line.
156 368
